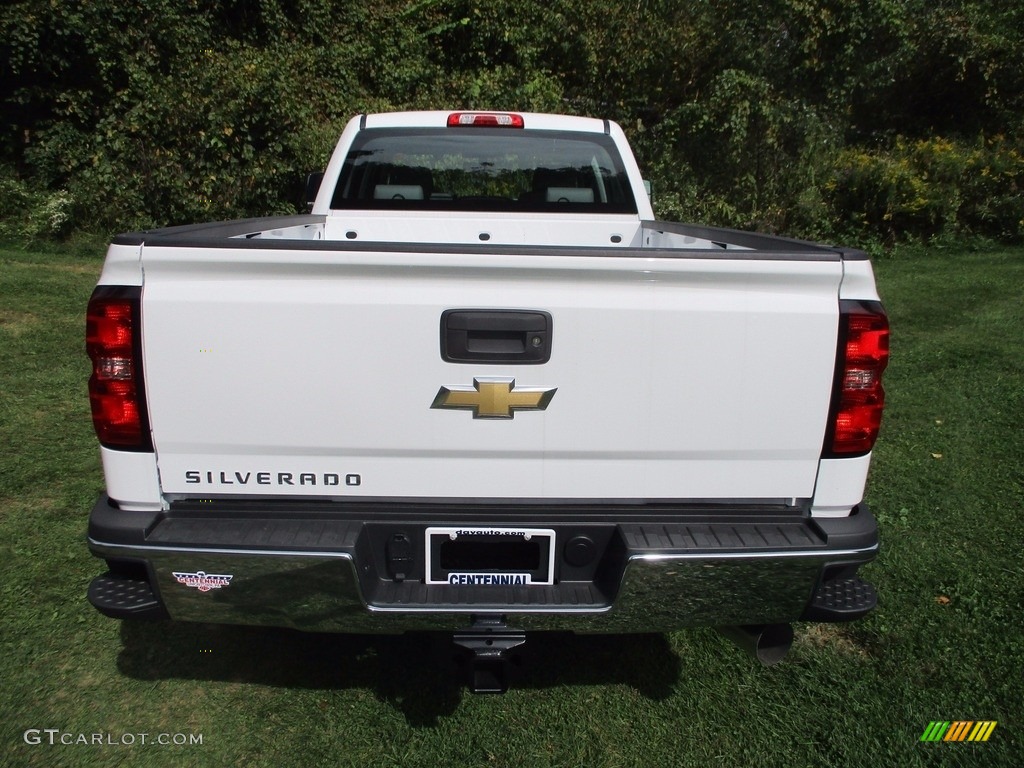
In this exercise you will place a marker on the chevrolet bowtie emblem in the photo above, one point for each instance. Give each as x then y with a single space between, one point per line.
494 398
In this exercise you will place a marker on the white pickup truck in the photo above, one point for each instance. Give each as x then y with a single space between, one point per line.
480 389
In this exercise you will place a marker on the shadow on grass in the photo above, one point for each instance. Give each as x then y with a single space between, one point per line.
423 675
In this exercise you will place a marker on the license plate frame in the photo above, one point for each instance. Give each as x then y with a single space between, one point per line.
489 556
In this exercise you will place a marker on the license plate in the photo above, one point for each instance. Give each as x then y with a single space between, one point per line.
476 556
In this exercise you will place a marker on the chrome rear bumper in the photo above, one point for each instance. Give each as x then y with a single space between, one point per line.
328 571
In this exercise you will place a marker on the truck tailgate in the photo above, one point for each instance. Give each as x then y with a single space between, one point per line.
312 372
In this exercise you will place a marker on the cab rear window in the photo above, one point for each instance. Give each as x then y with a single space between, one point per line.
466 169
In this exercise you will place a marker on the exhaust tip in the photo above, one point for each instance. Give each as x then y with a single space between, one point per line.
768 643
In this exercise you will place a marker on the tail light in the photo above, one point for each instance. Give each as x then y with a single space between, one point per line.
113 342
484 120
858 397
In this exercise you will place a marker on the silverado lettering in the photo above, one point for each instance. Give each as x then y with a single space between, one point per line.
193 477
719 394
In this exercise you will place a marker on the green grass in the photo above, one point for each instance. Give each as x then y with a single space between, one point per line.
946 643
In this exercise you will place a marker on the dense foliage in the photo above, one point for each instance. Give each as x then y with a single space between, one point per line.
879 120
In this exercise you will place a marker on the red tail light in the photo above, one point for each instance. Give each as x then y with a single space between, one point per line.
484 120
112 340
858 397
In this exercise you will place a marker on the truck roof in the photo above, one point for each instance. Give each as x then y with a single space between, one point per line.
531 120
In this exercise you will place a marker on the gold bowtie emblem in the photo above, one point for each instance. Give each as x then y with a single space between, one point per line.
494 398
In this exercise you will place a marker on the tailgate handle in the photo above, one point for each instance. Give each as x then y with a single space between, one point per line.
495 336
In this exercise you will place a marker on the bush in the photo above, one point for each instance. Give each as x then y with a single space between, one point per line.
122 114
918 190
27 215
160 113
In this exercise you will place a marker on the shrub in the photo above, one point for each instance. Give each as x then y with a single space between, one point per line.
28 215
922 189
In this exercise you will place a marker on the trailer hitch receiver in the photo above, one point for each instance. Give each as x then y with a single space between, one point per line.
490 643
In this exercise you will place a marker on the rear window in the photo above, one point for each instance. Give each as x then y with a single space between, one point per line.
483 169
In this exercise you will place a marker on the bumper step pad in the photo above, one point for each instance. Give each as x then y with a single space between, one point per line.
122 597
842 600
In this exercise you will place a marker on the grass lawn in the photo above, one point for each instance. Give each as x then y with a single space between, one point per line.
946 643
